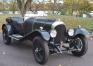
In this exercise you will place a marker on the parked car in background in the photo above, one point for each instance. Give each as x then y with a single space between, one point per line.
91 14
1 13
88 14
30 14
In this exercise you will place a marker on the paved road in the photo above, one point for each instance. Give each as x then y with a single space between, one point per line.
21 55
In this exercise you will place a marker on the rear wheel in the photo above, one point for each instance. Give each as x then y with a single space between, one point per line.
81 45
40 50
6 38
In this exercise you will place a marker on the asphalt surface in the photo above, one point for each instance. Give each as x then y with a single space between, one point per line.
20 54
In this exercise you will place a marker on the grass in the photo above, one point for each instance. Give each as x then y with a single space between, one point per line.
4 16
71 21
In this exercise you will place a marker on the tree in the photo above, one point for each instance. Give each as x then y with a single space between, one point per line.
53 5
1 6
90 7
24 5
13 6
76 5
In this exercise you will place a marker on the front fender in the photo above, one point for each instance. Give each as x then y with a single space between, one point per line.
45 35
81 31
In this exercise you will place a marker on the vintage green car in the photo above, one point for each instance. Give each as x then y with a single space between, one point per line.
49 36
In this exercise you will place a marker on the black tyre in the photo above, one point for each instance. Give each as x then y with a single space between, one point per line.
40 50
81 44
6 38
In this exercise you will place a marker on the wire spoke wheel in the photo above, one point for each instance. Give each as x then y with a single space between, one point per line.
40 50
78 44
6 38
81 46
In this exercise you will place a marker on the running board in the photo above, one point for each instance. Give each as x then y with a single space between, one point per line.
16 36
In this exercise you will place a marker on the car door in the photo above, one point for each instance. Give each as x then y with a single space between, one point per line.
28 26
17 23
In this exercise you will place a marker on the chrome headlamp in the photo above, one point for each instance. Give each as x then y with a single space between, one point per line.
53 33
71 32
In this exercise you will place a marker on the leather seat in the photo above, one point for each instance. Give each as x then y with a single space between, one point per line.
17 23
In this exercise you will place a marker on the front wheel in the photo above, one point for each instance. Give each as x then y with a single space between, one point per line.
81 44
40 50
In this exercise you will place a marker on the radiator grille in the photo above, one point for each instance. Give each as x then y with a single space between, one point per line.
61 34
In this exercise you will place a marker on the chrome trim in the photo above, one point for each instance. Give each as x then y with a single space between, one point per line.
56 23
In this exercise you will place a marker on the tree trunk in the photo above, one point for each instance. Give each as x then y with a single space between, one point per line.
24 5
54 8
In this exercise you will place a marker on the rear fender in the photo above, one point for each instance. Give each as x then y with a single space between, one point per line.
7 27
3 26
